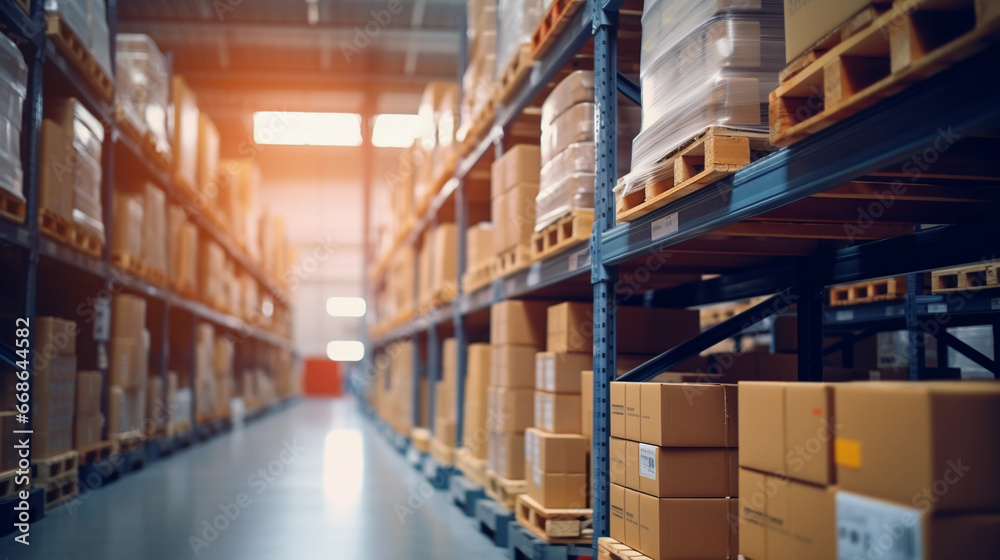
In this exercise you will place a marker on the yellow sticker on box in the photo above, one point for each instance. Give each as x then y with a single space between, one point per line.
847 452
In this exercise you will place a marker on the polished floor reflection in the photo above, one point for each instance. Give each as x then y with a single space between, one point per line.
313 481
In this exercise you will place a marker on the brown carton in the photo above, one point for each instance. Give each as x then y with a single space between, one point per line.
498 205
633 420
556 453
930 445
54 337
510 410
513 366
55 176
632 518
506 456
617 456
683 472
690 415
88 393
570 328
519 214
87 429
632 465
809 21
558 490
557 413
128 316
560 372
617 507
782 519
518 322
520 164
617 404
128 366
687 528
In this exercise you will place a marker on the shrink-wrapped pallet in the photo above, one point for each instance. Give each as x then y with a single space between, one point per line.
184 105
517 21
142 86
88 140
13 89
127 236
154 227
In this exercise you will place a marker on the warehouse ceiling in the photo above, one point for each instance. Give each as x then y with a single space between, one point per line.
302 55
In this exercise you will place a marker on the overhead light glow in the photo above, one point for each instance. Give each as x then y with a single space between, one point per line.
345 350
346 307
307 129
394 130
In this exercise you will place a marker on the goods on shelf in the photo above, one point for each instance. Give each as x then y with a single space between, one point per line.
208 164
436 117
88 139
690 85
154 230
55 181
475 436
239 202
186 129
142 90
477 106
128 369
87 419
182 411
127 236
556 469
54 387
479 256
556 17
905 44
211 270
183 243
438 266
513 188
224 376
444 400
80 29
517 21
13 90
274 247
978 276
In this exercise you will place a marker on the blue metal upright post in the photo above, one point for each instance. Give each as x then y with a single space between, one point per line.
462 224
916 338
603 277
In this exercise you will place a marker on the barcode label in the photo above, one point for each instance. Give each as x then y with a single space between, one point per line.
868 528
647 460
663 226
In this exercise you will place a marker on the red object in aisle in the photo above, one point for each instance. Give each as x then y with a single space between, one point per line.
322 378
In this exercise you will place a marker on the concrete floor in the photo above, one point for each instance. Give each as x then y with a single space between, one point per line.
335 489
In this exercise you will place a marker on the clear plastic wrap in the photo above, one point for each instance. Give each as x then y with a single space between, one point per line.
127 237
184 115
575 124
576 88
572 192
13 88
517 21
154 228
142 87
88 140
719 74
88 19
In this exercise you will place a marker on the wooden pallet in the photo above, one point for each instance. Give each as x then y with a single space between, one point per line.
517 72
718 313
78 55
53 225
127 127
12 207
443 453
474 469
421 438
478 276
512 260
503 490
553 22
558 526
841 33
567 231
60 490
7 486
156 275
912 41
979 276
481 125
610 549
160 158
94 452
85 241
130 263
56 466
127 441
870 291
714 153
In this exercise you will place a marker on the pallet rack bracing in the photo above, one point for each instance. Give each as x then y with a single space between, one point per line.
774 198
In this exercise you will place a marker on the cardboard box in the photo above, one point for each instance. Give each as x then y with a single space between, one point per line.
632 518
617 506
87 429
520 164
560 372
128 363
571 328
510 410
506 454
513 366
808 21
617 466
556 413
54 337
55 176
208 159
872 528
682 472
556 453
88 393
558 490
633 419
617 399
587 403
788 428
498 206
479 244
782 519
48 443
518 322
474 433
519 215
687 528
632 465
930 444
694 415
128 316
185 140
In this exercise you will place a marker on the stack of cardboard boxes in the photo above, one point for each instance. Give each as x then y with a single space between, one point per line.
88 420
53 387
513 188
674 469
443 444
475 436
205 383
83 165
129 365
479 80
866 470
183 244
517 333
438 280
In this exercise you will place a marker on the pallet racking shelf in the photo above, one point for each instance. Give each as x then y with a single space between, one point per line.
761 230
79 277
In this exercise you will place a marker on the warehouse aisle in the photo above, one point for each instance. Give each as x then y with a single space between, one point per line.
335 489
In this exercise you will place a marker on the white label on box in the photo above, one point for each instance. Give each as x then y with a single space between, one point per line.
102 320
937 308
540 371
550 419
536 449
538 410
538 476
647 460
845 315
550 374
868 528
664 226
